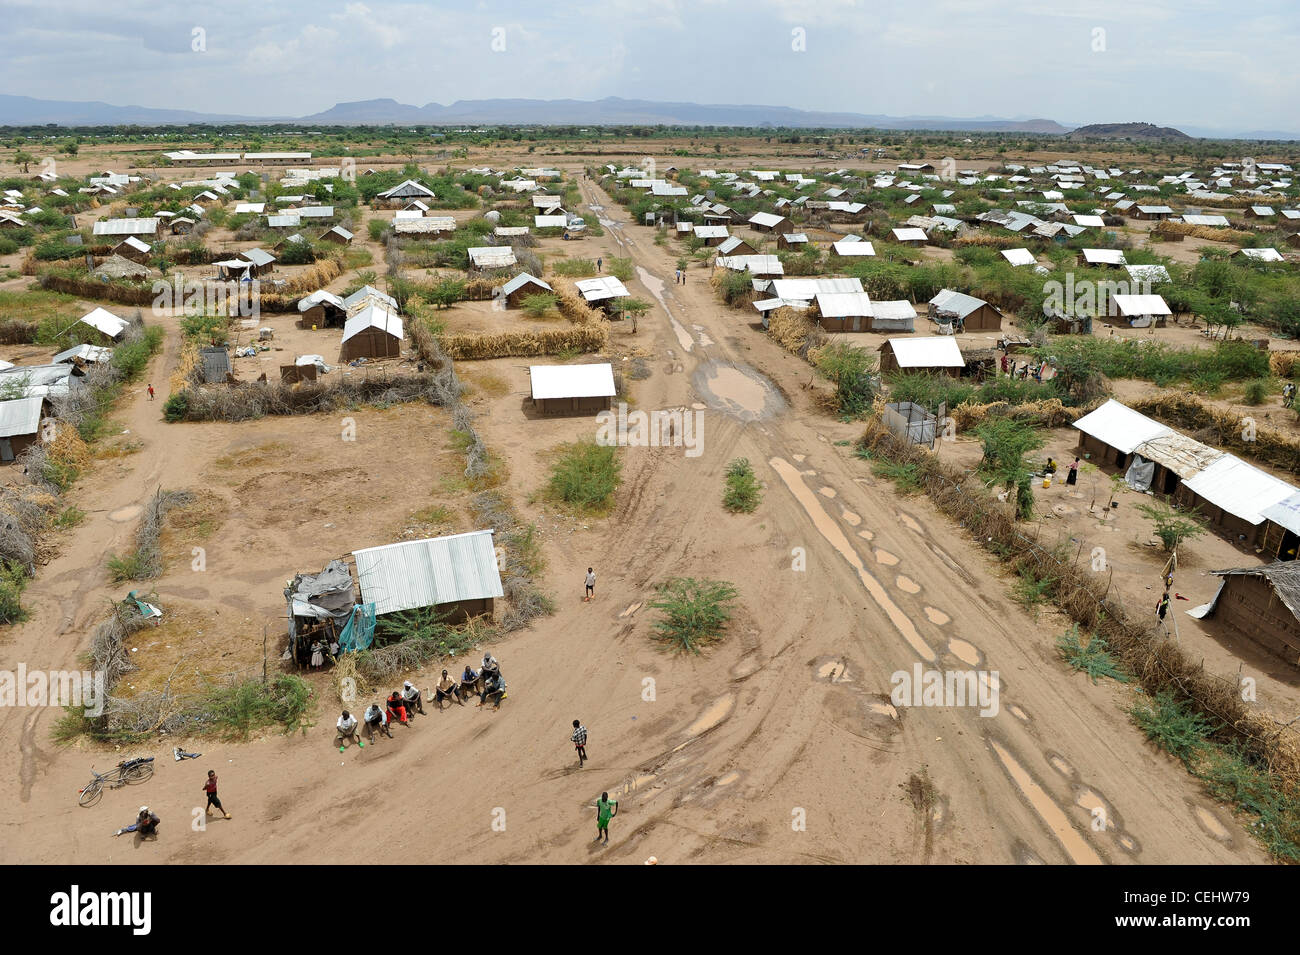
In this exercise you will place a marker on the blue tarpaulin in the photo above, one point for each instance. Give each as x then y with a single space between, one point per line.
359 632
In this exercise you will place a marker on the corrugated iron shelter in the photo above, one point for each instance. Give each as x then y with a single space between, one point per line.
216 365
133 249
1113 431
521 287
1232 495
939 354
20 425
457 575
601 288
572 389
972 314
374 333
321 309
105 322
1262 603
126 227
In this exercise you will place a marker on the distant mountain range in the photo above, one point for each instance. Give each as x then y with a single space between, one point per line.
611 111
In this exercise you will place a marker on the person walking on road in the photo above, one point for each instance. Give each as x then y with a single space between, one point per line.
579 740
606 809
151 392
210 787
591 585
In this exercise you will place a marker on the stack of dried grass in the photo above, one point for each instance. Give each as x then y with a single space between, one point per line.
1235 236
1048 413
794 330
1283 363
573 306
582 338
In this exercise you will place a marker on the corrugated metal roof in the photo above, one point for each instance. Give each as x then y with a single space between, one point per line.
1120 426
602 287
758 264
572 381
426 573
519 281
106 322
949 300
1104 256
216 364
373 316
126 227
1241 489
20 416
1285 513
941 351
316 298
844 304
808 289
87 353
1018 256
847 248
910 235
360 297
1136 305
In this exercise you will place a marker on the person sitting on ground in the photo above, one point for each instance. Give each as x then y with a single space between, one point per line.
146 824
376 720
347 725
494 688
467 680
447 690
411 696
1050 467
490 666
397 708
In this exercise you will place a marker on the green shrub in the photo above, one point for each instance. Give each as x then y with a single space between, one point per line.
743 493
13 581
1256 392
538 305
694 612
1172 726
177 406
1093 658
585 476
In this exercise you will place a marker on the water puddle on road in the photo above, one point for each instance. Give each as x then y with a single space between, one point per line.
656 288
907 585
1210 823
827 527
909 523
885 557
964 651
738 390
728 779
866 535
124 514
718 711
936 616
853 520
828 492
1074 844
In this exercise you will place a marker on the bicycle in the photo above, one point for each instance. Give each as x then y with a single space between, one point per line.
128 773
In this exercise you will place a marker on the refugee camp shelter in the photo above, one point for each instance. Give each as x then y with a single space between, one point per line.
133 249
521 287
320 608
492 257
936 354
215 361
105 322
321 310
456 575
1233 495
601 289
1262 603
79 356
572 389
1137 311
20 425
374 332
971 314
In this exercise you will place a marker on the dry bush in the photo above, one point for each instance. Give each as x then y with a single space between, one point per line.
1235 236
795 331
256 399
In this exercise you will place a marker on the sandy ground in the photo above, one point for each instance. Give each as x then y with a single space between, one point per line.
779 745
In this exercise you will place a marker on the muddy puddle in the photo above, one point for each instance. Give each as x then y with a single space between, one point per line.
737 390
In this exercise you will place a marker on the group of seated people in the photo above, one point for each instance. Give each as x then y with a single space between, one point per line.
402 705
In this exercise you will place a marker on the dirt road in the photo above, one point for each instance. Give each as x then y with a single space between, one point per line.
780 745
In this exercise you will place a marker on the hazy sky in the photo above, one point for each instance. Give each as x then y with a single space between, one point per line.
1191 62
